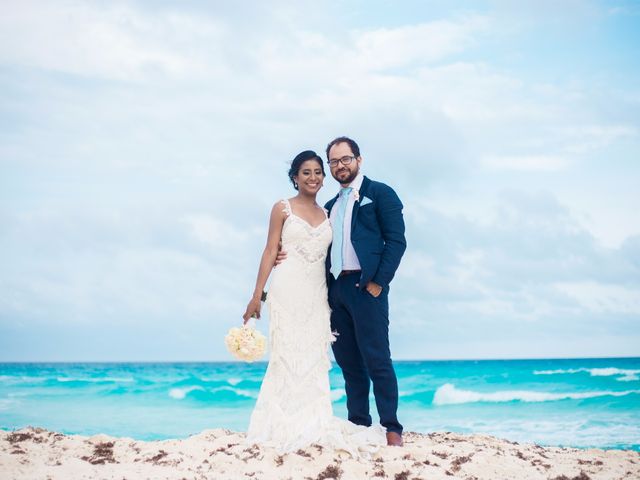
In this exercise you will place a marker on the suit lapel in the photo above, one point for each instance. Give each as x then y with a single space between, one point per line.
330 204
356 205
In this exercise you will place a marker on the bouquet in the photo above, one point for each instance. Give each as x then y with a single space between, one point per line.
245 343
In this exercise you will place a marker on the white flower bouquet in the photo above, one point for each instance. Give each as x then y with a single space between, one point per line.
245 343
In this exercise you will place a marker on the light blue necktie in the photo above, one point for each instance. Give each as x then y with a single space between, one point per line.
338 227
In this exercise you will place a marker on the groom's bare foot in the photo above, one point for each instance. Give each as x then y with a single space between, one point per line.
394 439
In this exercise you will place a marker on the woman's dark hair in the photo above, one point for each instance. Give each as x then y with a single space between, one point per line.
299 160
355 149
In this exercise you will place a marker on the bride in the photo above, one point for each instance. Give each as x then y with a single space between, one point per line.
294 409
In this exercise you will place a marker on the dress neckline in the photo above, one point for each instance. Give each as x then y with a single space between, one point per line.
290 214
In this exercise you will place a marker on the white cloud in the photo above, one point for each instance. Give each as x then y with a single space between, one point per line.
603 298
586 138
527 162
527 262
412 45
214 232
111 41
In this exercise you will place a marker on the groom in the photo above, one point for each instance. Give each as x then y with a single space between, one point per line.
368 243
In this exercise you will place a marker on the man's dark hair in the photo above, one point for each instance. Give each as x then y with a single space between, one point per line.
299 160
354 146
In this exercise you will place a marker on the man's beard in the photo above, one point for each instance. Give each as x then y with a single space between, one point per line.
349 178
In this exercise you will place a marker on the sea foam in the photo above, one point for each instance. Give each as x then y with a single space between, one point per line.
337 394
238 391
448 394
95 380
180 393
626 375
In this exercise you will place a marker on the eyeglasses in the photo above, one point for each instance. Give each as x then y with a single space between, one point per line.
344 160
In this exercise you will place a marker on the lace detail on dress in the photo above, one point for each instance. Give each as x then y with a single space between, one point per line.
287 207
294 409
314 248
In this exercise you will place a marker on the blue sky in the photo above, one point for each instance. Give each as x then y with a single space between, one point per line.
143 143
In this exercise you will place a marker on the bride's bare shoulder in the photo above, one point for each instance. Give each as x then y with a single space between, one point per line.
281 209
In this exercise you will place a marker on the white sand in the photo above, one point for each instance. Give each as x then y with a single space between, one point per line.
35 453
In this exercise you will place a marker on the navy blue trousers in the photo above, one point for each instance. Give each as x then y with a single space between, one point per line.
362 351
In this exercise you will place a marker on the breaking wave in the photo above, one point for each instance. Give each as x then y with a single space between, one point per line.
448 394
626 375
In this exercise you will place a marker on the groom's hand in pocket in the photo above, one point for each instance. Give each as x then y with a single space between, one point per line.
374 289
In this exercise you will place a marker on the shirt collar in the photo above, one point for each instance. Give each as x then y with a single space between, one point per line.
357 182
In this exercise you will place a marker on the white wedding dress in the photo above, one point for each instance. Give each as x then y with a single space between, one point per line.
294 409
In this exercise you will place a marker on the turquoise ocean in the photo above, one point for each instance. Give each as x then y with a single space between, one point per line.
571 402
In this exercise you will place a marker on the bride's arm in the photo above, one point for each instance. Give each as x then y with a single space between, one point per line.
268 258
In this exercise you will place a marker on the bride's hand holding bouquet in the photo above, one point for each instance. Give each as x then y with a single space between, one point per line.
253 310
246 343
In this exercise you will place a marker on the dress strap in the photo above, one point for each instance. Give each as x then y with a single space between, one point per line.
287 207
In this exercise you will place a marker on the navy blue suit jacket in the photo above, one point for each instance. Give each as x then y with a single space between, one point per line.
377 233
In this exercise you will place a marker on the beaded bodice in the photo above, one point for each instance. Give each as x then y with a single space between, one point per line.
303 240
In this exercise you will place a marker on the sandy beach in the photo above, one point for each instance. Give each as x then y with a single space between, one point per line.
36 453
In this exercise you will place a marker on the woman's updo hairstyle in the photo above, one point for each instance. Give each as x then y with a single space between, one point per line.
299 160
